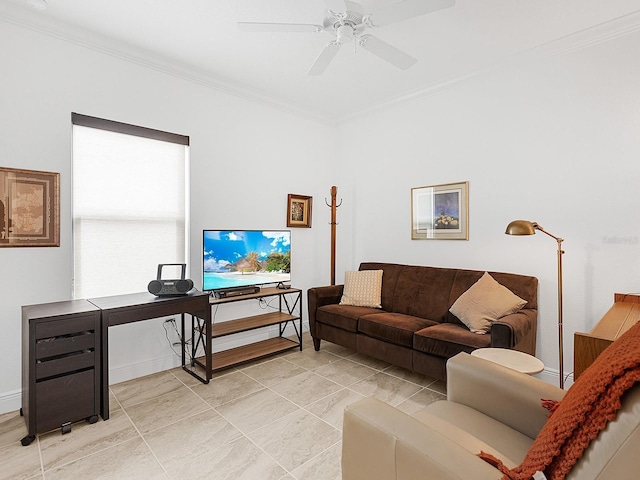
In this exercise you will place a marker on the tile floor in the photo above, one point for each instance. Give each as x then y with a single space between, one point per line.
279 418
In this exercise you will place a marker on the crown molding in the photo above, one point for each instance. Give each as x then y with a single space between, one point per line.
595 35
563 46
34 21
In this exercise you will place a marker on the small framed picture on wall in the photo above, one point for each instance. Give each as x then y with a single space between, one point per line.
299 211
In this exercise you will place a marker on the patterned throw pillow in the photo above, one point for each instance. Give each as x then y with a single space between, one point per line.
362 288
485 302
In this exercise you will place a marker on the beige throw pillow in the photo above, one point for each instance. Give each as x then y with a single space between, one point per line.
485 302
362 288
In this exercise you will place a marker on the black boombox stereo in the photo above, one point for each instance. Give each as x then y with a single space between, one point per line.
168 288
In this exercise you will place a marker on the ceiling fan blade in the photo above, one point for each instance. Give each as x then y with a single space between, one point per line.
406 9
279 27
336 5
387 52
323 61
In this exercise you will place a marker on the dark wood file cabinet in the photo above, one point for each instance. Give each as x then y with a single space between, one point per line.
60 365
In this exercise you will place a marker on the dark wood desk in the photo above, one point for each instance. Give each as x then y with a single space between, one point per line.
135 307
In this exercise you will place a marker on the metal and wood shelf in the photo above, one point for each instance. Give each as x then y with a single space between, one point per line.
289 310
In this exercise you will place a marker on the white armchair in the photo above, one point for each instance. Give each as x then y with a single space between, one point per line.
489 408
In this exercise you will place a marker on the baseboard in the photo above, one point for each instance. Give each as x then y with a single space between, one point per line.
550 375
141 369
128 372
10 401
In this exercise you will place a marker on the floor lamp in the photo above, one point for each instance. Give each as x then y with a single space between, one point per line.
524 227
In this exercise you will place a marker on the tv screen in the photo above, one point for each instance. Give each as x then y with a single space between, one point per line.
240 258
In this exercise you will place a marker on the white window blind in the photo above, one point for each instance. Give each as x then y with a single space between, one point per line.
129 205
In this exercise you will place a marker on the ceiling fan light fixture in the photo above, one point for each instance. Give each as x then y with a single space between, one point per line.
344 33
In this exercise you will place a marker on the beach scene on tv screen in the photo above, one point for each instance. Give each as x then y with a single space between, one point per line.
237 258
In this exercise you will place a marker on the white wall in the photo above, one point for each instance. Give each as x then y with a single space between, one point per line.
548 138
245 158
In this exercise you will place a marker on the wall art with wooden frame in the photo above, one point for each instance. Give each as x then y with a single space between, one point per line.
299 210
29 208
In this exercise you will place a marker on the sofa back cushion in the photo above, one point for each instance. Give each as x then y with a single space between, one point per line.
424 292
390 274
429 292
415 290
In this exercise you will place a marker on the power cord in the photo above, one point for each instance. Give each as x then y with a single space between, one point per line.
187 343
172 321
264 304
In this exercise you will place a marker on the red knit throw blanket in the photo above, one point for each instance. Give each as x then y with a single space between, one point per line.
591 402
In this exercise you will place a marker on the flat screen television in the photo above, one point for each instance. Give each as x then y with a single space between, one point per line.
242 258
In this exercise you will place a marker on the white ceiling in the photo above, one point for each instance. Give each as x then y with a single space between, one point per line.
200 39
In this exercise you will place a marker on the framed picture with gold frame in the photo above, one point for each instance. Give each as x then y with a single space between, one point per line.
29 208
440 212
299 211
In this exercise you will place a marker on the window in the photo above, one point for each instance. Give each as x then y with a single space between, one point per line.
129 205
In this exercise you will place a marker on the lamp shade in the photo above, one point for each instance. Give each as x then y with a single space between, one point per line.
520 227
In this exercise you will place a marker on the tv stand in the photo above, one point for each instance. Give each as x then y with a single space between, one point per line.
289 310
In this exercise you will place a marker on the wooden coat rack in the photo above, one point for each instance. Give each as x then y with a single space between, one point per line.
334 206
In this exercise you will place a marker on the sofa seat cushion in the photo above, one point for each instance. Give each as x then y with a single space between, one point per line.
393 327
448 339
465 426
343 316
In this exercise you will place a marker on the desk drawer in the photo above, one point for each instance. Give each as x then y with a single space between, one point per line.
53 346
65 364
66 326
65 399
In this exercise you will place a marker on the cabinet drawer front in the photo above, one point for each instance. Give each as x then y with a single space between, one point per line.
65 399
66 326
71 363
60 345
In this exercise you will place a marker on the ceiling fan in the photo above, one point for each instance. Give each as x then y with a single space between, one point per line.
347 22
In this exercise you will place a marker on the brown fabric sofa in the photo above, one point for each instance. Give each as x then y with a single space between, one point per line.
414 329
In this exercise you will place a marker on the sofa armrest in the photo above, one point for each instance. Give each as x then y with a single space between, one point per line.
511 397
379 442
319 296
510 330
